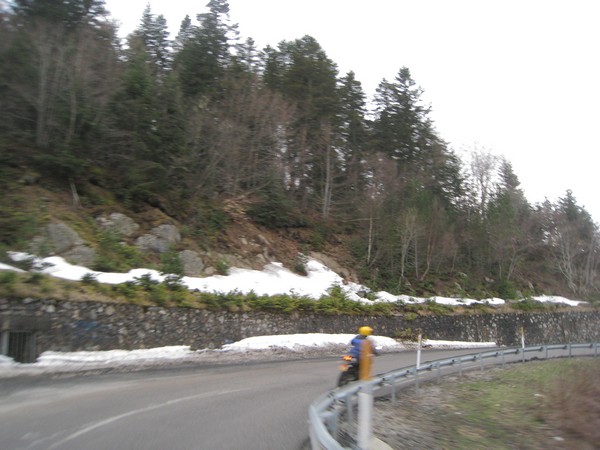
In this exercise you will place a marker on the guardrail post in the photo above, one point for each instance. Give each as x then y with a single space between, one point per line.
349 408
331 422
365 417
523 342
416 380
314 443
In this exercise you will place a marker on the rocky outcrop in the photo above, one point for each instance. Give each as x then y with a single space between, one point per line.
120 223
192 263
160 239
58 238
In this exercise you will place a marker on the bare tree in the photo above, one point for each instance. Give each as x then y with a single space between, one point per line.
483 167
408 228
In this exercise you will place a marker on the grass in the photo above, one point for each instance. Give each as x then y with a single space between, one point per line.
538 405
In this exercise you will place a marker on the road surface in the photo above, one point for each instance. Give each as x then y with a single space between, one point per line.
253 406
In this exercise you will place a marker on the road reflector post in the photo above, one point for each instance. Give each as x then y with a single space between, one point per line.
523 342
419 351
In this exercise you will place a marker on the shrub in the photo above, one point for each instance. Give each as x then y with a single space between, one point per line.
274 209
146 282
527 304
300 268
89 278
8 277
8 281
114 255
506 289
174 283
35 278
437 308
222 267
129 289
410 316
170 263
408 334
158 294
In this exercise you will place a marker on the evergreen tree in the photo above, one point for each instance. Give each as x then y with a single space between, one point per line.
202 61
148 115
402 126
507 220
155 36
353 136
67 13
307 78
184 34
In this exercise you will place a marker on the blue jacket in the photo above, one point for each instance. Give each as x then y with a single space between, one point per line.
356 345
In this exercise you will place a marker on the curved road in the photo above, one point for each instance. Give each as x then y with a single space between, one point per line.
245 406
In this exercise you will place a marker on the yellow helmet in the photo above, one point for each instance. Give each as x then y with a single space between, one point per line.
365 331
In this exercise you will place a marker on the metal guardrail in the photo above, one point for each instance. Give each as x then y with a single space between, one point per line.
326 413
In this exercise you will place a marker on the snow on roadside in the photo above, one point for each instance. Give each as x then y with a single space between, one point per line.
273 279
250 349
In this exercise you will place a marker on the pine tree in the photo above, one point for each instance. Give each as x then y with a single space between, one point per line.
507 222
202 61
353 130
307 78
155 36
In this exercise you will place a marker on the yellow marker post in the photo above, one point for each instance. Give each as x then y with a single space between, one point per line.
366 360
365 398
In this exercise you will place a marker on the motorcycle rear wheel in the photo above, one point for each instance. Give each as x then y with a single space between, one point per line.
346 377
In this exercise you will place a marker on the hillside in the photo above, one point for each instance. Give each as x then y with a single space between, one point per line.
225 237
226 233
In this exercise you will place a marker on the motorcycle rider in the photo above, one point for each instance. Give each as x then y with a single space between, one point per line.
362 346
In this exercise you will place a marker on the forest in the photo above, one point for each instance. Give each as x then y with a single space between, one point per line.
189 123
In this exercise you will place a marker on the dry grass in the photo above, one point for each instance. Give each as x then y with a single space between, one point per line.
538 405
573 402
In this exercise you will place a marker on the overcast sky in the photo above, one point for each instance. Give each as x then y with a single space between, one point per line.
519 78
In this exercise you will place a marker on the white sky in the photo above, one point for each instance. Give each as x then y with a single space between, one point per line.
517 78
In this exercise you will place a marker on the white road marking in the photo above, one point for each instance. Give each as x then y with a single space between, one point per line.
109 420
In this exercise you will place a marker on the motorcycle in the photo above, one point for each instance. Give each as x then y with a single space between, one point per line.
349 370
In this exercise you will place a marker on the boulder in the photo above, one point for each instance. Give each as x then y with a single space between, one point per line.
81 255
191 262
119 223
159 240
61 237
169 233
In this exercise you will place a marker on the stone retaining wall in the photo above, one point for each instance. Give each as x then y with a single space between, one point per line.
74 326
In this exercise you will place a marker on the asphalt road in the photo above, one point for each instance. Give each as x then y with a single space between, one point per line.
255 406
